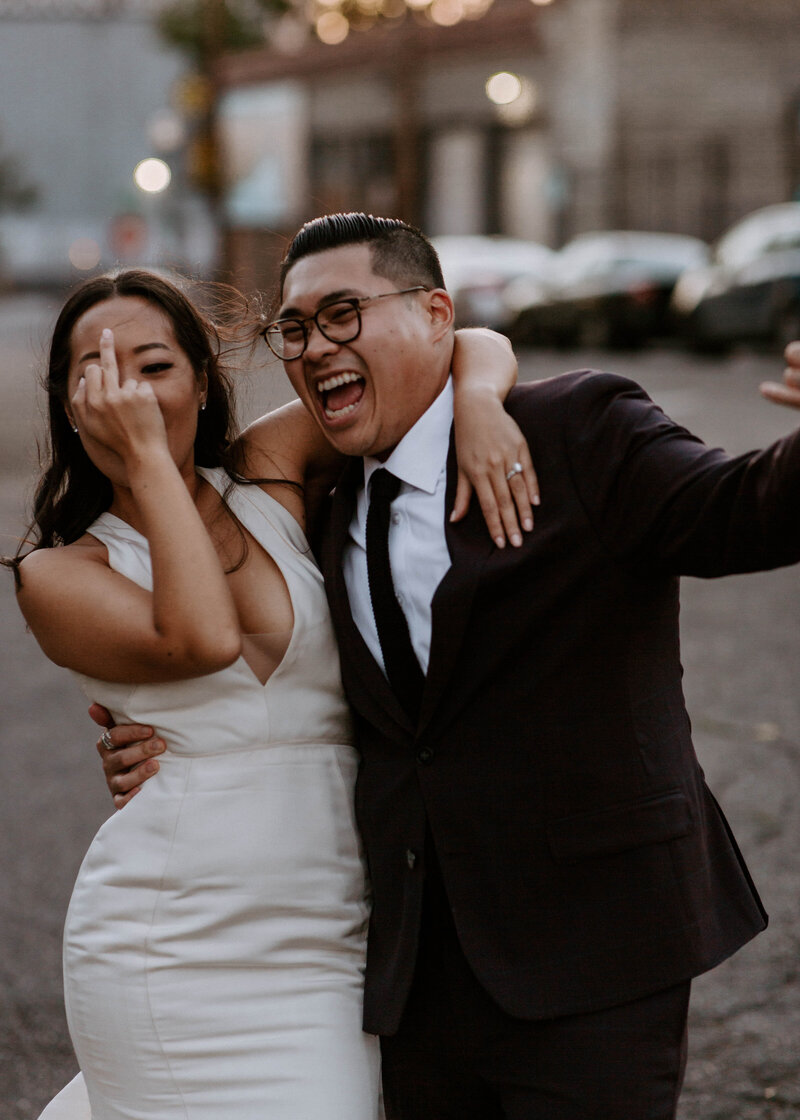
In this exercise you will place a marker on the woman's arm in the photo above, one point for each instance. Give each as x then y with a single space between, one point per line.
489 444
287 445
94 620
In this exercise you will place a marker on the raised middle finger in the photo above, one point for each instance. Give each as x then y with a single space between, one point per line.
108 359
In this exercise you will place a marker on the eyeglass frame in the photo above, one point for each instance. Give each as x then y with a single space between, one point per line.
354 301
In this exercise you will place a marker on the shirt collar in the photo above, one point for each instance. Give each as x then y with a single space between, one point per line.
421 455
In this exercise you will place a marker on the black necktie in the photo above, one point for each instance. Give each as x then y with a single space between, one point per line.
402 667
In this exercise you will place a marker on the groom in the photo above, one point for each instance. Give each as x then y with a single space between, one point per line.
549 869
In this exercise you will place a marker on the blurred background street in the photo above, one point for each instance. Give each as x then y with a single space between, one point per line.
741 649
613 183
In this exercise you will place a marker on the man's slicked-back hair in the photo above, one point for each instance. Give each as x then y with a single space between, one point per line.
399 252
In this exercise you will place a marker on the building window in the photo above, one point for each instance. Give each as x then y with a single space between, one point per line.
353 173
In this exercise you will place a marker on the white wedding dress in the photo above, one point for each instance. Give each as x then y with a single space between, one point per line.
215 940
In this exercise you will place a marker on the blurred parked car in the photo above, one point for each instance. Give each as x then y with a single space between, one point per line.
750 291
608 289
478 269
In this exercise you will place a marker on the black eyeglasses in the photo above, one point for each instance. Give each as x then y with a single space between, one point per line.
339 321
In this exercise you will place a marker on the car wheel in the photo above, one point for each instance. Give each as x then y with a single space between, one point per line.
594 332
707 347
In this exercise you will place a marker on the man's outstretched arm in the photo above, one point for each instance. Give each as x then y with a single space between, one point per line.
657 496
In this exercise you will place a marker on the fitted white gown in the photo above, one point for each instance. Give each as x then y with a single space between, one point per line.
215 941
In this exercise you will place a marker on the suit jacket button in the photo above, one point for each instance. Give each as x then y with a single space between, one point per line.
411 859
425 754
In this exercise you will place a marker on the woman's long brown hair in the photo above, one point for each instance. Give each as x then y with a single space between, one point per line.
72 492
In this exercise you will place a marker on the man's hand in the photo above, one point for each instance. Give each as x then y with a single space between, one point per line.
787 393
129 761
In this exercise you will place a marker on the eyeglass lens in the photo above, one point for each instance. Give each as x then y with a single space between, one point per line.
338 322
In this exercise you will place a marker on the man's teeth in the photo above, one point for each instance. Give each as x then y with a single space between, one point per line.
335 381
329 412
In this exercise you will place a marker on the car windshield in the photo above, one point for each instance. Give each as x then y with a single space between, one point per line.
628 253
772 230
477 259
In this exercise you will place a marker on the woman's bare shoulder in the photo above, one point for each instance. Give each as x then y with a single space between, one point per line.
44 564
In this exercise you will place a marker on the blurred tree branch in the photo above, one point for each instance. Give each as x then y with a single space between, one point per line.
238 25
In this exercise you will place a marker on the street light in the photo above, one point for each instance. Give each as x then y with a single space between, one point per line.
152 175
503 88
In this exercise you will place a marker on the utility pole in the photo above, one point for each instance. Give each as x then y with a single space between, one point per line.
407 133
208 154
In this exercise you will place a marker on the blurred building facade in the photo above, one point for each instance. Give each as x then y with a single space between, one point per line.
84 87
671 115
667 115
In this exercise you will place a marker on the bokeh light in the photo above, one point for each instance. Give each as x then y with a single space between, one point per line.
476 9
503 88
332 28
522 108
152 175
84 254
446 13
166 131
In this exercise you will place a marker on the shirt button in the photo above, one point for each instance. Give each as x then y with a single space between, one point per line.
395 519
400 598
411 859
425 755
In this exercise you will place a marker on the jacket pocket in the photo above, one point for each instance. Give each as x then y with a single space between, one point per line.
604 832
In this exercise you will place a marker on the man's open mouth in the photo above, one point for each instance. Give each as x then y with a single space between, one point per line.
340 394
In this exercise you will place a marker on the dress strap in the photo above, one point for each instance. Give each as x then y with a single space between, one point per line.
260 513
128 550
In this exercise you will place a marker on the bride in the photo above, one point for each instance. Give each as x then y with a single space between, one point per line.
214 944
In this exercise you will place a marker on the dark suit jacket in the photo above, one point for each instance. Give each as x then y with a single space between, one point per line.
585 859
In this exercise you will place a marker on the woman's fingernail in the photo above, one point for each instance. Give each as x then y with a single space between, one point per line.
106 333
516 540
527 524
500 542
536 500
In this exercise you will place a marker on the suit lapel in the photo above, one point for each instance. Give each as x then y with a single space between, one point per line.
470 546
372 694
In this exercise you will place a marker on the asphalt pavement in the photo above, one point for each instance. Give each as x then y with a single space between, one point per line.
741 652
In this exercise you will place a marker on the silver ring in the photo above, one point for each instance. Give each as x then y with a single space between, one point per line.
516 468
105 739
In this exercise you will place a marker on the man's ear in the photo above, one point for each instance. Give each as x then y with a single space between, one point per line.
441 311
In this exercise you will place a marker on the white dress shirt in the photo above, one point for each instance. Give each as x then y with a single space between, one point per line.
418 552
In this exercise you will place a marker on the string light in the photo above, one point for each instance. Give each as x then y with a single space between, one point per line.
332 27
332 19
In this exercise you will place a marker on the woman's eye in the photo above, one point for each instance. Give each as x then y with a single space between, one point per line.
157 367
